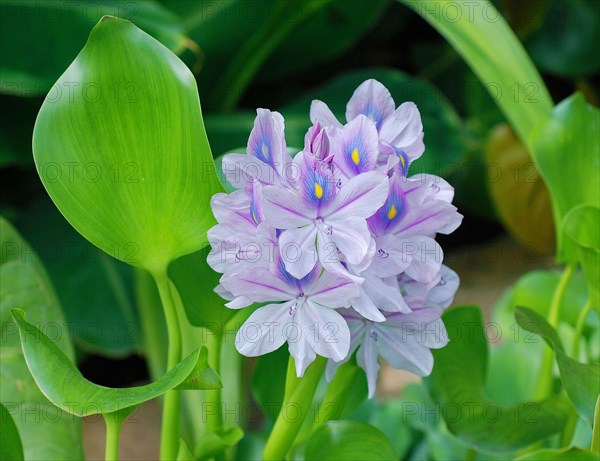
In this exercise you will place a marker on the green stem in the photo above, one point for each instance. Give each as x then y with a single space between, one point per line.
294 410
338 391
213 398
471 454
169 438
544 388
579 327
113 428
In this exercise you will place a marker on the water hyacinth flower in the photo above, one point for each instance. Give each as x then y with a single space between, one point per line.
338 240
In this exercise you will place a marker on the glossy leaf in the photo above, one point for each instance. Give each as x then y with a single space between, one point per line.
567 150
582 226
202 377
444 142
11 448
144 172
25 283
520 195
565 454
268 381
39 39
565 44
492 50
458 381
62 383
195 281
93 288
349 440
581 381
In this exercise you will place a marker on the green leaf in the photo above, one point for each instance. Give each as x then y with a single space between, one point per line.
142 171
565 45
566 145
349 440
564 454
486 42
457 384
195 280
202 377
582 225
11 448
28 69
596 429
581 381
445 144
268 381
212 444
49 432
93 288
62 383
184 454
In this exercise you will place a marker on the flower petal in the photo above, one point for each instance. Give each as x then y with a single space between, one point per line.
241 170
372 99
259 285
332 290
365 307
267 140
360 197
263 332
285 210
366 357
352 237
326 331
298 251
385 296
320 113
402 128
355 147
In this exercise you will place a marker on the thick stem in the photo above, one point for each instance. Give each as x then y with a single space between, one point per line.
298 402
213 397
113 428
169 438
544 388
579 327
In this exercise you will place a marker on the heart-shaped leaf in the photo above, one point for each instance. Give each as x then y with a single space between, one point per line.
457 384
582 225
62 383
581 381
567 149
11 448
125 156
50 433
349 440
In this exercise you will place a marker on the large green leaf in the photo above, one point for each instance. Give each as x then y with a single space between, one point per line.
93 288
444 142
477 31
458 382
567 149
349 440
49 432
63 384
565 454
582 225
11 448
38 39
581 381
126 158
268 381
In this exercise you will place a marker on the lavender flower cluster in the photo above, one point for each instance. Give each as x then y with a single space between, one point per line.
337 240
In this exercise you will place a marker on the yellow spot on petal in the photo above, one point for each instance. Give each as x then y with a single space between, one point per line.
254 217
402 160
265 151
355 157
318 190
392 213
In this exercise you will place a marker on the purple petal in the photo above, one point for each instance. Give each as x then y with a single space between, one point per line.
352 237
267 140
360 197
404 348
327 331
385 296
365 307
331 290
297 248
390 215
403 128
372 99
355 147
285 210
233 210
320 113
366 357
259 285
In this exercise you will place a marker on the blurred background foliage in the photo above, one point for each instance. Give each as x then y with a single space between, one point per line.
281 55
